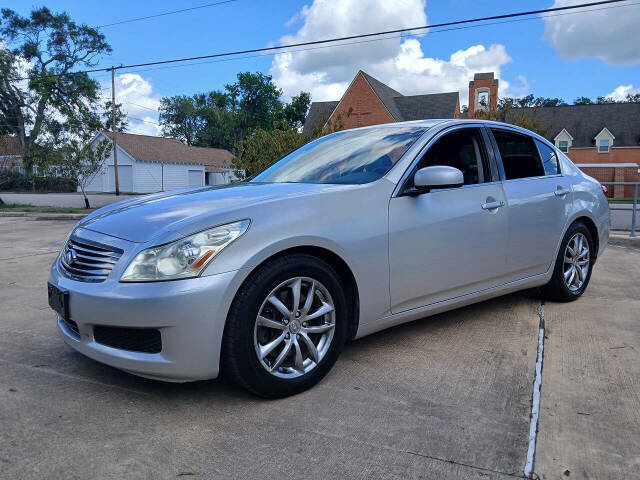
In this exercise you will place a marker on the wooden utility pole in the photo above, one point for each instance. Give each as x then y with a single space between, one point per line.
113 128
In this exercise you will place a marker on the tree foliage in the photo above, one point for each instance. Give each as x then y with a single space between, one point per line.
262 147
222 118
80 160
122 123
39 103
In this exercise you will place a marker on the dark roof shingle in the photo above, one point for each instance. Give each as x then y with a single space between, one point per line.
584 122
421 107
318 112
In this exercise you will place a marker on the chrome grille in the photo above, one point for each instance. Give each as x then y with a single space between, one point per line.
88 262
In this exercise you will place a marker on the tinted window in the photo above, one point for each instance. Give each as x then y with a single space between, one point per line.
519 154
462 149
349 157
549 159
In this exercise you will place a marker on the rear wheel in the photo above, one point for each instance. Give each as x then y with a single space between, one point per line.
572 270
286 326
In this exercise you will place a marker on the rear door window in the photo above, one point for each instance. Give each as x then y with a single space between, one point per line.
549 159
520 157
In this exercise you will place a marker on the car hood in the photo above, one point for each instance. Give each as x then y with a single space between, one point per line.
185 211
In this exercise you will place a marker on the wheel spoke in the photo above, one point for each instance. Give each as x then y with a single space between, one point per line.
319 329
583 262
310 346
295 288
568 272
285 351
309 300
269 347
580 274
298 362
267 322
275 301
323 310
567 259
572 276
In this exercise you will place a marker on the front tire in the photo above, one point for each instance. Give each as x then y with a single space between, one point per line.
572 270
286 327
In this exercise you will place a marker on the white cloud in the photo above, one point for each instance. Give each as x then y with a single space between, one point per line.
138 100
399 62
608 34
621 92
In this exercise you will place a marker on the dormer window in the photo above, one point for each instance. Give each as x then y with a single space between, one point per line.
563 141
603 146
604 140
563 145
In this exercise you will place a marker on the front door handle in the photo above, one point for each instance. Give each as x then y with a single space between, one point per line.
492 205
560 192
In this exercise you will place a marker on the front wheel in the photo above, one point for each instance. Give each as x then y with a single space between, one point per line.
285 327
572 270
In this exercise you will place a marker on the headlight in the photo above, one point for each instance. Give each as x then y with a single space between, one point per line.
184 258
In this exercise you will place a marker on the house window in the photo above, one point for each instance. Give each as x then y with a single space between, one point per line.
563 145
603 145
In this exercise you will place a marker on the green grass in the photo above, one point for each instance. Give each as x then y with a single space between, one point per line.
25 207
622 200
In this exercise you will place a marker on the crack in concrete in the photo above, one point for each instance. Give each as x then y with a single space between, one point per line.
535 398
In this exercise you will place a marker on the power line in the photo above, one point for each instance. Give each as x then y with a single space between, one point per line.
378 39
138 19
339 39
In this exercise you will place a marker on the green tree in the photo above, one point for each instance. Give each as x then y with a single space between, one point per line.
78 159
179 118
583 101
121 117
262 147
43 48
224 118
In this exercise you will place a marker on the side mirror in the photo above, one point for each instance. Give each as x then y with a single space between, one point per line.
438 176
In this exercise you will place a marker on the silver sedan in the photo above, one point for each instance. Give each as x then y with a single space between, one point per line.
350 234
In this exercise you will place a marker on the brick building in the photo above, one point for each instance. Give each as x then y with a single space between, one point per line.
602 139
368 101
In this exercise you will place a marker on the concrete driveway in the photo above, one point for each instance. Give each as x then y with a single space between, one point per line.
445 397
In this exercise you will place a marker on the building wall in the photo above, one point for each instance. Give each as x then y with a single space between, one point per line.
613 173
615 155
367 109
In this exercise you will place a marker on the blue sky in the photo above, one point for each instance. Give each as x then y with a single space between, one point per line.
565 56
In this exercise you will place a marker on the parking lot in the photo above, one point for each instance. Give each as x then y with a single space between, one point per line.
445 397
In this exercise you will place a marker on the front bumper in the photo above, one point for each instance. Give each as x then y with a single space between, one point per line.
190 315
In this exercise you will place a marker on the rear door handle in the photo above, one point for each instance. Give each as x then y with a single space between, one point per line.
560 192
492 205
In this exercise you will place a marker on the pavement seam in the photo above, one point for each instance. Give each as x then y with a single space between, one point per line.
453 462
535 398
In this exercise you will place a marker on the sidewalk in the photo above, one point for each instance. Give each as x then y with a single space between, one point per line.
62 199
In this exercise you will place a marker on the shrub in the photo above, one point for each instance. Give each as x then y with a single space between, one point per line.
14 181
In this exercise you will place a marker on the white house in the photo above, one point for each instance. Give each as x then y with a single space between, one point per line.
151 164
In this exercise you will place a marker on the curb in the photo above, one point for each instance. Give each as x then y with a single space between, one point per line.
624 240
44 216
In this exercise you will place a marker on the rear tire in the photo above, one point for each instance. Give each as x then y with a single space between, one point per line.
266 345
573 266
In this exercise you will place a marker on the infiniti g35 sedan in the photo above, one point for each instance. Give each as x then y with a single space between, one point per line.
355 232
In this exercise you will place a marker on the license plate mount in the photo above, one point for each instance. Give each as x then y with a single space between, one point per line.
59 300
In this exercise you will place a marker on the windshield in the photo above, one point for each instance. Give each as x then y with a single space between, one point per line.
349 157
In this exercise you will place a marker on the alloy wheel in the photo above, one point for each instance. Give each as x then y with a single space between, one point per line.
576 262
294 327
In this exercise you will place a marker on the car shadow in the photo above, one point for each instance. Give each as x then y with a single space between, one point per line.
223 391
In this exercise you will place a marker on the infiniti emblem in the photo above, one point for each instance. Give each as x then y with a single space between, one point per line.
71 256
